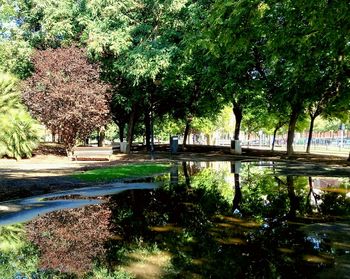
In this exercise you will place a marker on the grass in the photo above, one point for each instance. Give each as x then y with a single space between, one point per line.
122 171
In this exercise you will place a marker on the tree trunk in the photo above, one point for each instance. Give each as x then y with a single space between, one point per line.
291 130
237 111
121 127
147 121
101 137
310 133
349 157
187 129
131 129
208 139
274 138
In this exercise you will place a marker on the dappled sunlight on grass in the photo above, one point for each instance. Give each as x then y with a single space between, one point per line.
320 259
286 250
166 228
145 265
231 241
341 245
231 222
116 237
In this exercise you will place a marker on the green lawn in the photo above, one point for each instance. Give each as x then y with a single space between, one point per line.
123 171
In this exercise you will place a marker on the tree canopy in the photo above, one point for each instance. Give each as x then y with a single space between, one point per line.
184 59
65 94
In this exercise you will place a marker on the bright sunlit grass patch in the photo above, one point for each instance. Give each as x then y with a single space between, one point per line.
123 171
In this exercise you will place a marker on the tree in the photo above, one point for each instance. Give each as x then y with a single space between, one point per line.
19 133
135 42
308 50
234 43
65 94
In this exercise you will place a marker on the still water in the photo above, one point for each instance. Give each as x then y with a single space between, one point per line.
200 220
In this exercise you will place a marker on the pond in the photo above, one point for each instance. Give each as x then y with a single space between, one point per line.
200 220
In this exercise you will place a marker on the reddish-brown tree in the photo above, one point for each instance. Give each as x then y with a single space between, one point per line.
66 94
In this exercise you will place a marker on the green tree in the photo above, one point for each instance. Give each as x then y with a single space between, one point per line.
308 50
233 38
142 48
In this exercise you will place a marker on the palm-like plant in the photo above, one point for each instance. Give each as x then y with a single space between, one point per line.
19 133
9 97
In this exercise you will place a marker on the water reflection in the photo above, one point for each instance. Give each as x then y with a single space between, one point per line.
210 220
69 240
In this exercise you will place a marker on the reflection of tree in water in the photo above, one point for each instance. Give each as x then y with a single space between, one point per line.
196 226
69 240
335 202
237 199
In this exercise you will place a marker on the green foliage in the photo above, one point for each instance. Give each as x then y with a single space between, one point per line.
19 133
111 132
15 58
325 125
213 183
224 122
119 172
103 273
9 97
137 33
167 126
18 256
270 60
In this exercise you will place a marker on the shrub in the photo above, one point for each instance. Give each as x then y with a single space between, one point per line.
19 133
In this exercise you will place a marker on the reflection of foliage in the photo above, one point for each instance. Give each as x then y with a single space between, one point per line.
184 221
336 201
335 204
17 256
104 273
263 196
212 183
69 240
189 231
267 196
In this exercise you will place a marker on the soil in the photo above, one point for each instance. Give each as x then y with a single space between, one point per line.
49 169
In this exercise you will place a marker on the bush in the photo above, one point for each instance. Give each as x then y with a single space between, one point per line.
19 132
